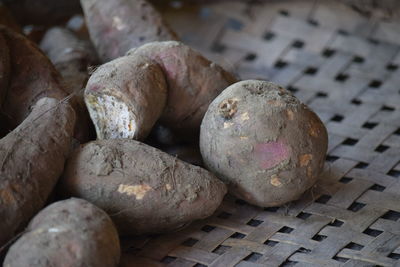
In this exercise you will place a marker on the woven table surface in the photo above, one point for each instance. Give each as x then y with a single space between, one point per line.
345 67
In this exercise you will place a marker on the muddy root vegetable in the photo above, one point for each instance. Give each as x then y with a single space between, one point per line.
119 25
193 82
263 142
125 97
72 232
32 158
142 188
32 77
72 56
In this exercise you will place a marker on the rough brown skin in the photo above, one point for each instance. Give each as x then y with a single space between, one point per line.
193 82
72 232
142 188
72 56
125 97
119 25
31 160
32 77
266 145
4 68
43 12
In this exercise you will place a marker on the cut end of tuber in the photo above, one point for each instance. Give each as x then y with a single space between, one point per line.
111 116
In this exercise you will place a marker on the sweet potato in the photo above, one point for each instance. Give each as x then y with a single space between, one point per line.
32 77
193 82
143 189
125 97
263 142
72 56
119 25
72 232
32 158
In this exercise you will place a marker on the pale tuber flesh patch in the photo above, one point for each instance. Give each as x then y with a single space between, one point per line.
112 117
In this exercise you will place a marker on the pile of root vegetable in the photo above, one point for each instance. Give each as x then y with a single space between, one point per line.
112 127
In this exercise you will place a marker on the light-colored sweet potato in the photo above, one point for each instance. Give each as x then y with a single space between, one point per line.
125 97
72 56
262 141
119 25
72 232
32 77
193 82
143 189
32 158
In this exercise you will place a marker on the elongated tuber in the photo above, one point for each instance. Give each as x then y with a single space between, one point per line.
142 188
119 25
32 77
31 160
125 97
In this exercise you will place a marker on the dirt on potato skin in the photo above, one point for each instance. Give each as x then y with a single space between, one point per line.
193 82
266 145
32 158
72 232
32 77
134 84
119 25
143 189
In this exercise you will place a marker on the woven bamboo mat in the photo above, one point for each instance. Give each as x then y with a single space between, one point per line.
345 67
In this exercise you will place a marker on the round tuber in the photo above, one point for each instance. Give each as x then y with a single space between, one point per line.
263 142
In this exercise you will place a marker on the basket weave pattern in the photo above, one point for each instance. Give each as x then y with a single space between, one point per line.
345 67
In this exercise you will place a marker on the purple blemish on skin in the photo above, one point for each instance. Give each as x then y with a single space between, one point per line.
94 87
271 154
